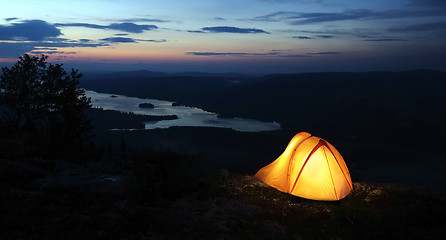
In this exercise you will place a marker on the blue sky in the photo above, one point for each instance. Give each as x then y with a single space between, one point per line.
251 36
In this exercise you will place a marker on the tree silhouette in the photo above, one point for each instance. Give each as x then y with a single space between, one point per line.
42 99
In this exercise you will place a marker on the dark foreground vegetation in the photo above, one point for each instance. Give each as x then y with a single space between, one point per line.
64 176
163 195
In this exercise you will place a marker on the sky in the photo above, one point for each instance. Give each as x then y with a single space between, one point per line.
246 36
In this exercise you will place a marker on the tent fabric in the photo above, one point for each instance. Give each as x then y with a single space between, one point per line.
310 167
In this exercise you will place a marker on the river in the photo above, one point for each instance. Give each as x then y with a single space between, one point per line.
187 116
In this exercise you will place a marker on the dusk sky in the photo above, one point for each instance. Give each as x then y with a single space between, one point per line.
249 36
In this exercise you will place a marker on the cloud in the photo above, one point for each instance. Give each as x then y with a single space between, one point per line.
302 18
151 40
31 30
119 40
129 40
325 36
295 56
66 43
144 20
17 48
427 3
325 53
13 50
230 54
420 27
302 37
125 27
275 53
215 53
332 33
306 18
131 27
226 29
196 31
83 40
11 19
44 51
38 36
318 36
385 40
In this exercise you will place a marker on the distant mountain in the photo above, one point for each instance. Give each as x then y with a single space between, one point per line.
374 116
267 97
300 96
221 75
150 74
129 74
146 84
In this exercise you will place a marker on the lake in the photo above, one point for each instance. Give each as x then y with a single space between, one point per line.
187 116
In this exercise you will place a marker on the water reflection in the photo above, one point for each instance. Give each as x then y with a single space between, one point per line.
187 116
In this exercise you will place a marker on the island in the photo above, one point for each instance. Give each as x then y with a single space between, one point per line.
153 118
146 105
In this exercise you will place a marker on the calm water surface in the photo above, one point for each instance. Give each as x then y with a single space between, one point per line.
187 116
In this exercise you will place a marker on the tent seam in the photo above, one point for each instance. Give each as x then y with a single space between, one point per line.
305 163
329 170
292 157
339 165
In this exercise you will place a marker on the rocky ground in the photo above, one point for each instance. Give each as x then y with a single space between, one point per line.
168 196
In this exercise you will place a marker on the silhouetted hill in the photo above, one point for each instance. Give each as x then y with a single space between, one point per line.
309 93
128 74
220 75
376 116
160 86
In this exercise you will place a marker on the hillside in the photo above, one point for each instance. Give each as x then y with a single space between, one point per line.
145 196
377 117
197 183
187 88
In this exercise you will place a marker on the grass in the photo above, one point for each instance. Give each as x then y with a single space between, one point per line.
372 211
171 196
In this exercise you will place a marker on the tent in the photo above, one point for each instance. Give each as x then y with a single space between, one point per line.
310 167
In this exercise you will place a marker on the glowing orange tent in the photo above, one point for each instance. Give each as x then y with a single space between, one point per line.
310 167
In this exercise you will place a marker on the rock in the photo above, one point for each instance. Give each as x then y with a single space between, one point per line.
229 208
113 96
17 193
19 172
146 105
93 177
61 165
223 174
106 183
274 230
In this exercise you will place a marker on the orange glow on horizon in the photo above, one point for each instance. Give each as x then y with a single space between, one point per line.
7 60
132 54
